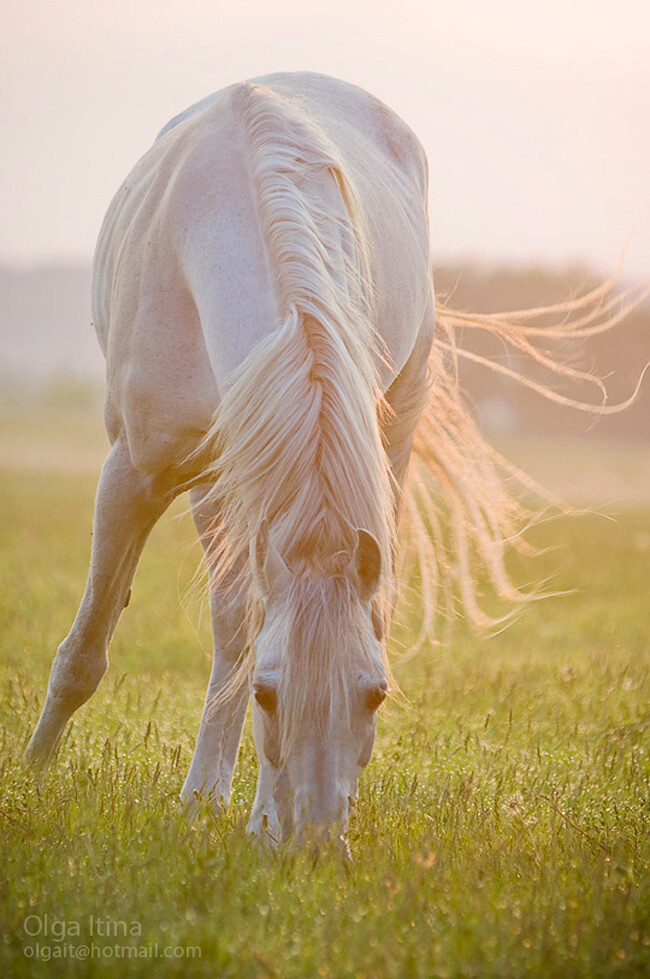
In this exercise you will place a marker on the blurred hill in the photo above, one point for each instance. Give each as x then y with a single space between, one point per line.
48 350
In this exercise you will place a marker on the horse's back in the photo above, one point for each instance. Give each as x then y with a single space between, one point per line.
182 287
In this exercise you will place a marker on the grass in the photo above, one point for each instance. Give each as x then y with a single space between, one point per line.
502 826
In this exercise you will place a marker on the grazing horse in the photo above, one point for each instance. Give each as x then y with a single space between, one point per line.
262 295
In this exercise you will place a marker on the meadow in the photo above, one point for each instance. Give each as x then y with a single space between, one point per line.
502 824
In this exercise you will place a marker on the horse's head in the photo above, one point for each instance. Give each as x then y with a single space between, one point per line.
319 679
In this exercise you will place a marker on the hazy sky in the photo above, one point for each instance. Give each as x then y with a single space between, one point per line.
535 116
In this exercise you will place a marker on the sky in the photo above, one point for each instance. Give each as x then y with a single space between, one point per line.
535 116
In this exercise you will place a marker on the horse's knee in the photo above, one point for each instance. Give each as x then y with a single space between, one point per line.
76 673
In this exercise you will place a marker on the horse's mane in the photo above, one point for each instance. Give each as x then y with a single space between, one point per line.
296 440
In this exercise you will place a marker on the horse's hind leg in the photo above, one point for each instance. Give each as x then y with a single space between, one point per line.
127 505
210 774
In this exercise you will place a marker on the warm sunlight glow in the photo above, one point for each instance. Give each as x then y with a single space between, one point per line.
535 120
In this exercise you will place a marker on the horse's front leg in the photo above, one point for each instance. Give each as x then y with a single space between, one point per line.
127 505
211 771
264 824
271 819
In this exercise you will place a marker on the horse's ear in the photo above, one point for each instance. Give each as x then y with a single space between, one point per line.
267 564
367 564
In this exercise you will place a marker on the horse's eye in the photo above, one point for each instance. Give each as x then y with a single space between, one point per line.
266 697
376 695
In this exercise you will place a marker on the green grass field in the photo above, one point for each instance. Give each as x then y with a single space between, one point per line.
502 826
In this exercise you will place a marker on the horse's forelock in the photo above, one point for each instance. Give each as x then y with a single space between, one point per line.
327 640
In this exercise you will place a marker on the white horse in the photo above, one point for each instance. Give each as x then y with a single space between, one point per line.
263 296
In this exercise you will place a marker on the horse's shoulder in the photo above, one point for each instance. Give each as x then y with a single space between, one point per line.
365 114
398 141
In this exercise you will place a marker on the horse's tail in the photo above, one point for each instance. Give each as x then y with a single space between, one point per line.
296 439
468 506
